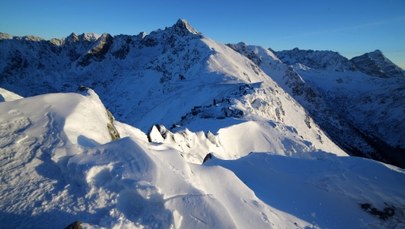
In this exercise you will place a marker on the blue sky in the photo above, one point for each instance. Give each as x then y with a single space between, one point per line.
351 27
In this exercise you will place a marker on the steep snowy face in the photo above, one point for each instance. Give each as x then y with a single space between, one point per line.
326 60
371 106
376 64
359 112
309 96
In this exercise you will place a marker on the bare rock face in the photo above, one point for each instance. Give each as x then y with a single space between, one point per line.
99 51
75 225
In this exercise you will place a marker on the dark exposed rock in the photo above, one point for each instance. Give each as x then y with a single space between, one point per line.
182 28
207 157
114 134
122 52
75 225
384 214
98 52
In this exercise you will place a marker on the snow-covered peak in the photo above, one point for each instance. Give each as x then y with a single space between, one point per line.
257 54
183 27
89 37
376 52
32 38
376 64
325 60
73 37
5 36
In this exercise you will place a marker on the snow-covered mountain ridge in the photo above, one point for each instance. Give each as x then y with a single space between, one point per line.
362 113
241 111
58 164
168 77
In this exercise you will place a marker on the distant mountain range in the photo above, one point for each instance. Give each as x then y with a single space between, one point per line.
245 111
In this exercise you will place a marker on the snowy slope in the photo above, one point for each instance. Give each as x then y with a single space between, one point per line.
331 192
361 113
374 106
173 77
6 95
59 165
376 64
182 99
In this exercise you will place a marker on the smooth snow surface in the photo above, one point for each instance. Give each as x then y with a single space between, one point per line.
327 191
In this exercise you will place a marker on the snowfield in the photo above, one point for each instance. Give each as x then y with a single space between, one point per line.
207 135
49 171
59 165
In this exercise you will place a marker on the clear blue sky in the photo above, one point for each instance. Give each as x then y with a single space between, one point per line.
351 27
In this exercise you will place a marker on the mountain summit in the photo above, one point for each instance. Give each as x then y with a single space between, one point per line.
327 60
183 27
376 64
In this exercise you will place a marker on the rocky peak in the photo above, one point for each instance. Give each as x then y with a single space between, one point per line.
99 50
32 38
376 52
316 59
376 64
182 28
73 37
86 37
257 54
5 36
90 36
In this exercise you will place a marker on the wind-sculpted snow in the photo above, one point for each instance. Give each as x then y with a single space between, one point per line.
58 165
49 179
326 192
